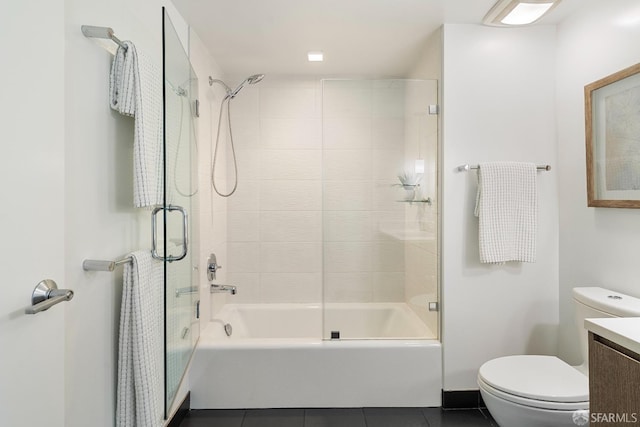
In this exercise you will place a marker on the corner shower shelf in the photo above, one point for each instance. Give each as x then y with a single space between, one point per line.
427 201
409 235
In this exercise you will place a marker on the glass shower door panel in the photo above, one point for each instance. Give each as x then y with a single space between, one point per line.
180 186
380 195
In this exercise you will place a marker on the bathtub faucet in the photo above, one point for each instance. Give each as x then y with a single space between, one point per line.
217 289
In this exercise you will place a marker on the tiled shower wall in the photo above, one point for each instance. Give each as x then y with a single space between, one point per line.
274 229
288 174
363 124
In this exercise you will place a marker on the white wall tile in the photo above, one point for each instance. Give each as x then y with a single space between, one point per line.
348 287
347 226
245 105
353 195
386 197
343 101
246 132
389 102
344 133
347 257
387 165
245 198
387 133
291 226
382 222
242 258
388 256
291 164
289 102
290 195
299 257
344 165
248 165
243 226
277 133
388 287
291 287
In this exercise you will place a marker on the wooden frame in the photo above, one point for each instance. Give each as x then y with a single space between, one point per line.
612 130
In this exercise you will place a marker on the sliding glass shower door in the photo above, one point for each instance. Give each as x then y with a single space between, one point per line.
180 203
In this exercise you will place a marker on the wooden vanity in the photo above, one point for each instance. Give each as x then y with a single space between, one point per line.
614 371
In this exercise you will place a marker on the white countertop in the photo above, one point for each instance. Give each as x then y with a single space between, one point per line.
624 331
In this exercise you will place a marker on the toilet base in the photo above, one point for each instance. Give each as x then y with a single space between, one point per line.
509 414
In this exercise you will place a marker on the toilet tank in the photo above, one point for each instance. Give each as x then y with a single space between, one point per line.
594 302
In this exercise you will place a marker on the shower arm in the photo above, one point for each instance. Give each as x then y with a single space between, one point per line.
226 87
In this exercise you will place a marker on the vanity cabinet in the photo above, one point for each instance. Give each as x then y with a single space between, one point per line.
614 383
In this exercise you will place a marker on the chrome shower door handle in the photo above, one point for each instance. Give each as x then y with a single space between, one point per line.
185 233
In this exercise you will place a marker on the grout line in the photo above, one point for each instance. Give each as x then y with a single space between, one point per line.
364 417
425 417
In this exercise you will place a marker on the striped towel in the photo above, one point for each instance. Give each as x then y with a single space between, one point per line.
140 397
507 209
135 89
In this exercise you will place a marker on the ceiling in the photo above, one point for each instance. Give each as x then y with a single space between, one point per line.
358 37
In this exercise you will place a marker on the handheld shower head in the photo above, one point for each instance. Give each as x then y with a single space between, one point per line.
256 78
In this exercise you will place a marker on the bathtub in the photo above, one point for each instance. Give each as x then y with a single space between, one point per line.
276 358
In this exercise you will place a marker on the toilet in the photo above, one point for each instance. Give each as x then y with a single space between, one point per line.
544 391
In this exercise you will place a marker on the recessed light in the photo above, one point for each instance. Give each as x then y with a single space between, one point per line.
315 56
506 13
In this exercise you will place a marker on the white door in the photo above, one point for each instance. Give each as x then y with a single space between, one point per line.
32 211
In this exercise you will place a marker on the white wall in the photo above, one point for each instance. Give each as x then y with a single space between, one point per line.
100 220
32 227
598 246
499 105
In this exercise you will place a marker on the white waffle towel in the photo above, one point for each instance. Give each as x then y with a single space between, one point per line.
140 397
507 209
135 89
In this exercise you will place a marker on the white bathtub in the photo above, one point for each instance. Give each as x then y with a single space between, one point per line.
276 358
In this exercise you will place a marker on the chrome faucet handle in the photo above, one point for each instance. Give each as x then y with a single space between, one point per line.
212 267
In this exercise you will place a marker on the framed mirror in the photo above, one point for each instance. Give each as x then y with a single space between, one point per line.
612 121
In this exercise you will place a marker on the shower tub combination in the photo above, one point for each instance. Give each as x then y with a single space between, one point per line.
275 358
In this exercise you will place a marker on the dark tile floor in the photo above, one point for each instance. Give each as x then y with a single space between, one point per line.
343 417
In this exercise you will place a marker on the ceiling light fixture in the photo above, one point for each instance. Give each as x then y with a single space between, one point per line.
315 56
508 13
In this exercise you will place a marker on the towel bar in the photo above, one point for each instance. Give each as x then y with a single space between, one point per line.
101 33
465 168
99 265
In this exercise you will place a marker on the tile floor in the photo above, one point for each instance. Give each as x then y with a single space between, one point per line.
343 417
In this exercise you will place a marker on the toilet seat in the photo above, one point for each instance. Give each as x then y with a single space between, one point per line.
536 381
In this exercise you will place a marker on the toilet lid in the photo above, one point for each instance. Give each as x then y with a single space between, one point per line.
544 378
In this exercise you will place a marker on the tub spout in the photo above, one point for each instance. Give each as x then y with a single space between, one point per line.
216 289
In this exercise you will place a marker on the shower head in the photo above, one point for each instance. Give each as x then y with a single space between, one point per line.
256 78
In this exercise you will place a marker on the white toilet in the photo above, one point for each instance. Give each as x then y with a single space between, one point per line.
544 391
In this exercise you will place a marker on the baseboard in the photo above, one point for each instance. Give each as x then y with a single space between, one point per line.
462 399
181 413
